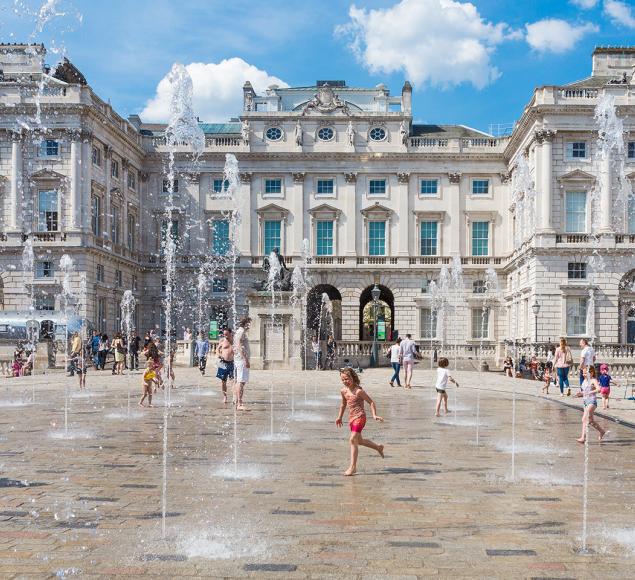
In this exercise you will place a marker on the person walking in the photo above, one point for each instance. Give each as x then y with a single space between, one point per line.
587 357
94 349
408 352
395 361
103 350
331 349
588 391
120 354
133 351
225 360
201 349
562 360
241 361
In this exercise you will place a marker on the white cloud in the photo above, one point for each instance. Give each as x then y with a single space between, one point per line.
619 13
555 35
585 4
440 42
217 90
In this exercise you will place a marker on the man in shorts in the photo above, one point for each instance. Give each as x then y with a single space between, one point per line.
225 360
241 361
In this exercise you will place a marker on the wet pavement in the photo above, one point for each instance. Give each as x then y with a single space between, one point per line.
87 502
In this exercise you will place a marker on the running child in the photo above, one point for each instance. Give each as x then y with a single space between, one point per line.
443 376
547 377
81 361
605 381
353 397
149 377
589 389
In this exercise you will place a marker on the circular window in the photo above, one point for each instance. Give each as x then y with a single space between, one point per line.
325 134
377 134
274 134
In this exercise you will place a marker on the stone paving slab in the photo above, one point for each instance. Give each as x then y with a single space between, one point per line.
438 505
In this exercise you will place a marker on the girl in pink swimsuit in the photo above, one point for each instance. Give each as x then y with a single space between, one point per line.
353 397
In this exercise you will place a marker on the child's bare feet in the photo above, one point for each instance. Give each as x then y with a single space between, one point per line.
241 407
140 404
581 440
150 405
602 435
437 414
380 450
350 471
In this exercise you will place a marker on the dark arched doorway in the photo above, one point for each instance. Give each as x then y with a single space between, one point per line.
318 317
386 313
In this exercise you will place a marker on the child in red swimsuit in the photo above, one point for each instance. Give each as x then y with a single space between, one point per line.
353 397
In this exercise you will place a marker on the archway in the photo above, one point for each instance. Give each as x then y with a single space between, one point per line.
627 308
385 314
318 317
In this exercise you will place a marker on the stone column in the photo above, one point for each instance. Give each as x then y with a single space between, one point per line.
75 204
295 241
403 224
546 175
86 180
350 212
605 194
452 241
16 180
107 202
247 243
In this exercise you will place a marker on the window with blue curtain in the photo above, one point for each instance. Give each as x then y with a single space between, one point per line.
428 238
324 238
220 237
271 236
376 238
480 238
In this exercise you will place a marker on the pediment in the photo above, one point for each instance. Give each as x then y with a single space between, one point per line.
325 208
577 175
271 209
376 208
47 175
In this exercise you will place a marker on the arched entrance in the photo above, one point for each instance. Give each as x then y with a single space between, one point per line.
318 316
385 314
627 308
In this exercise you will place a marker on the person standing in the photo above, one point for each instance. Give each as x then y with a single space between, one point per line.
120 354
200 350
187 334
94 349
103 349
225 360
562 360
135 343
395 361
331 347
408 352
317 352
241 361
588 392
587 357
75 351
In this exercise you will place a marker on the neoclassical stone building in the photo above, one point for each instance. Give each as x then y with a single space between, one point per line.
381 199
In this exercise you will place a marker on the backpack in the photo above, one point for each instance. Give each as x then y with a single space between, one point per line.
568 357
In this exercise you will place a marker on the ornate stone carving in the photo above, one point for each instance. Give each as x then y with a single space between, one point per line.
350 133
403 177
108 155
75 134
454 177
505 176
87 135
299 177
350 177
245 177
326 101
245 131
403 133
16 136
297 133
543 135
144 176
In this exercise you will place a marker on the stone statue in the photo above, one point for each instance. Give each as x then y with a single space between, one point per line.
403 132
298 134
245 131
249 101
350 133
284 279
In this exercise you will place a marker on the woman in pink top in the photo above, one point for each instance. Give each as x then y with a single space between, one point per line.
562 360
353 397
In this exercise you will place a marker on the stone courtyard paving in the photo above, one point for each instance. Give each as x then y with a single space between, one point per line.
437 505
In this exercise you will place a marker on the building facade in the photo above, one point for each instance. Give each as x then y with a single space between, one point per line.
380 199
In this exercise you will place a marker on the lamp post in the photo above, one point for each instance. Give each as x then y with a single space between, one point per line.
535 309
375 294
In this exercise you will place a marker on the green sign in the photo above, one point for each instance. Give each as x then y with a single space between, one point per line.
213 330
381 330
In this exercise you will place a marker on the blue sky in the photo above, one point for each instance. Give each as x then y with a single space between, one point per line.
473 64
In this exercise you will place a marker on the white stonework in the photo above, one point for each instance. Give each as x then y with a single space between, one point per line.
350 156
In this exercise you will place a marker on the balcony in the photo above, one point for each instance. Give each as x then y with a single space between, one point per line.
379 262
457 145
222 143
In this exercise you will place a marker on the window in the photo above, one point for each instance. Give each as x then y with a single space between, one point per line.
425 285
118 279
576 271
101 314
164 285
220 237
44 302
115 226
480 238
132 179
325 187
220 285
377 187
95 215
220 185
175 186
429 238
271 236
47 211
44 269
273 186
325 134
576 150
49 148
100 273
97 156
376 238
429 187
377 134
428 324
631 149
575 221
576 315
478 287
174 232
114 169
274 134
480 323
132 226
135 283
480 186
324 238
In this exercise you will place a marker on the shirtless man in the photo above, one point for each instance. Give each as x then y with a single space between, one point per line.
241 358
225 360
